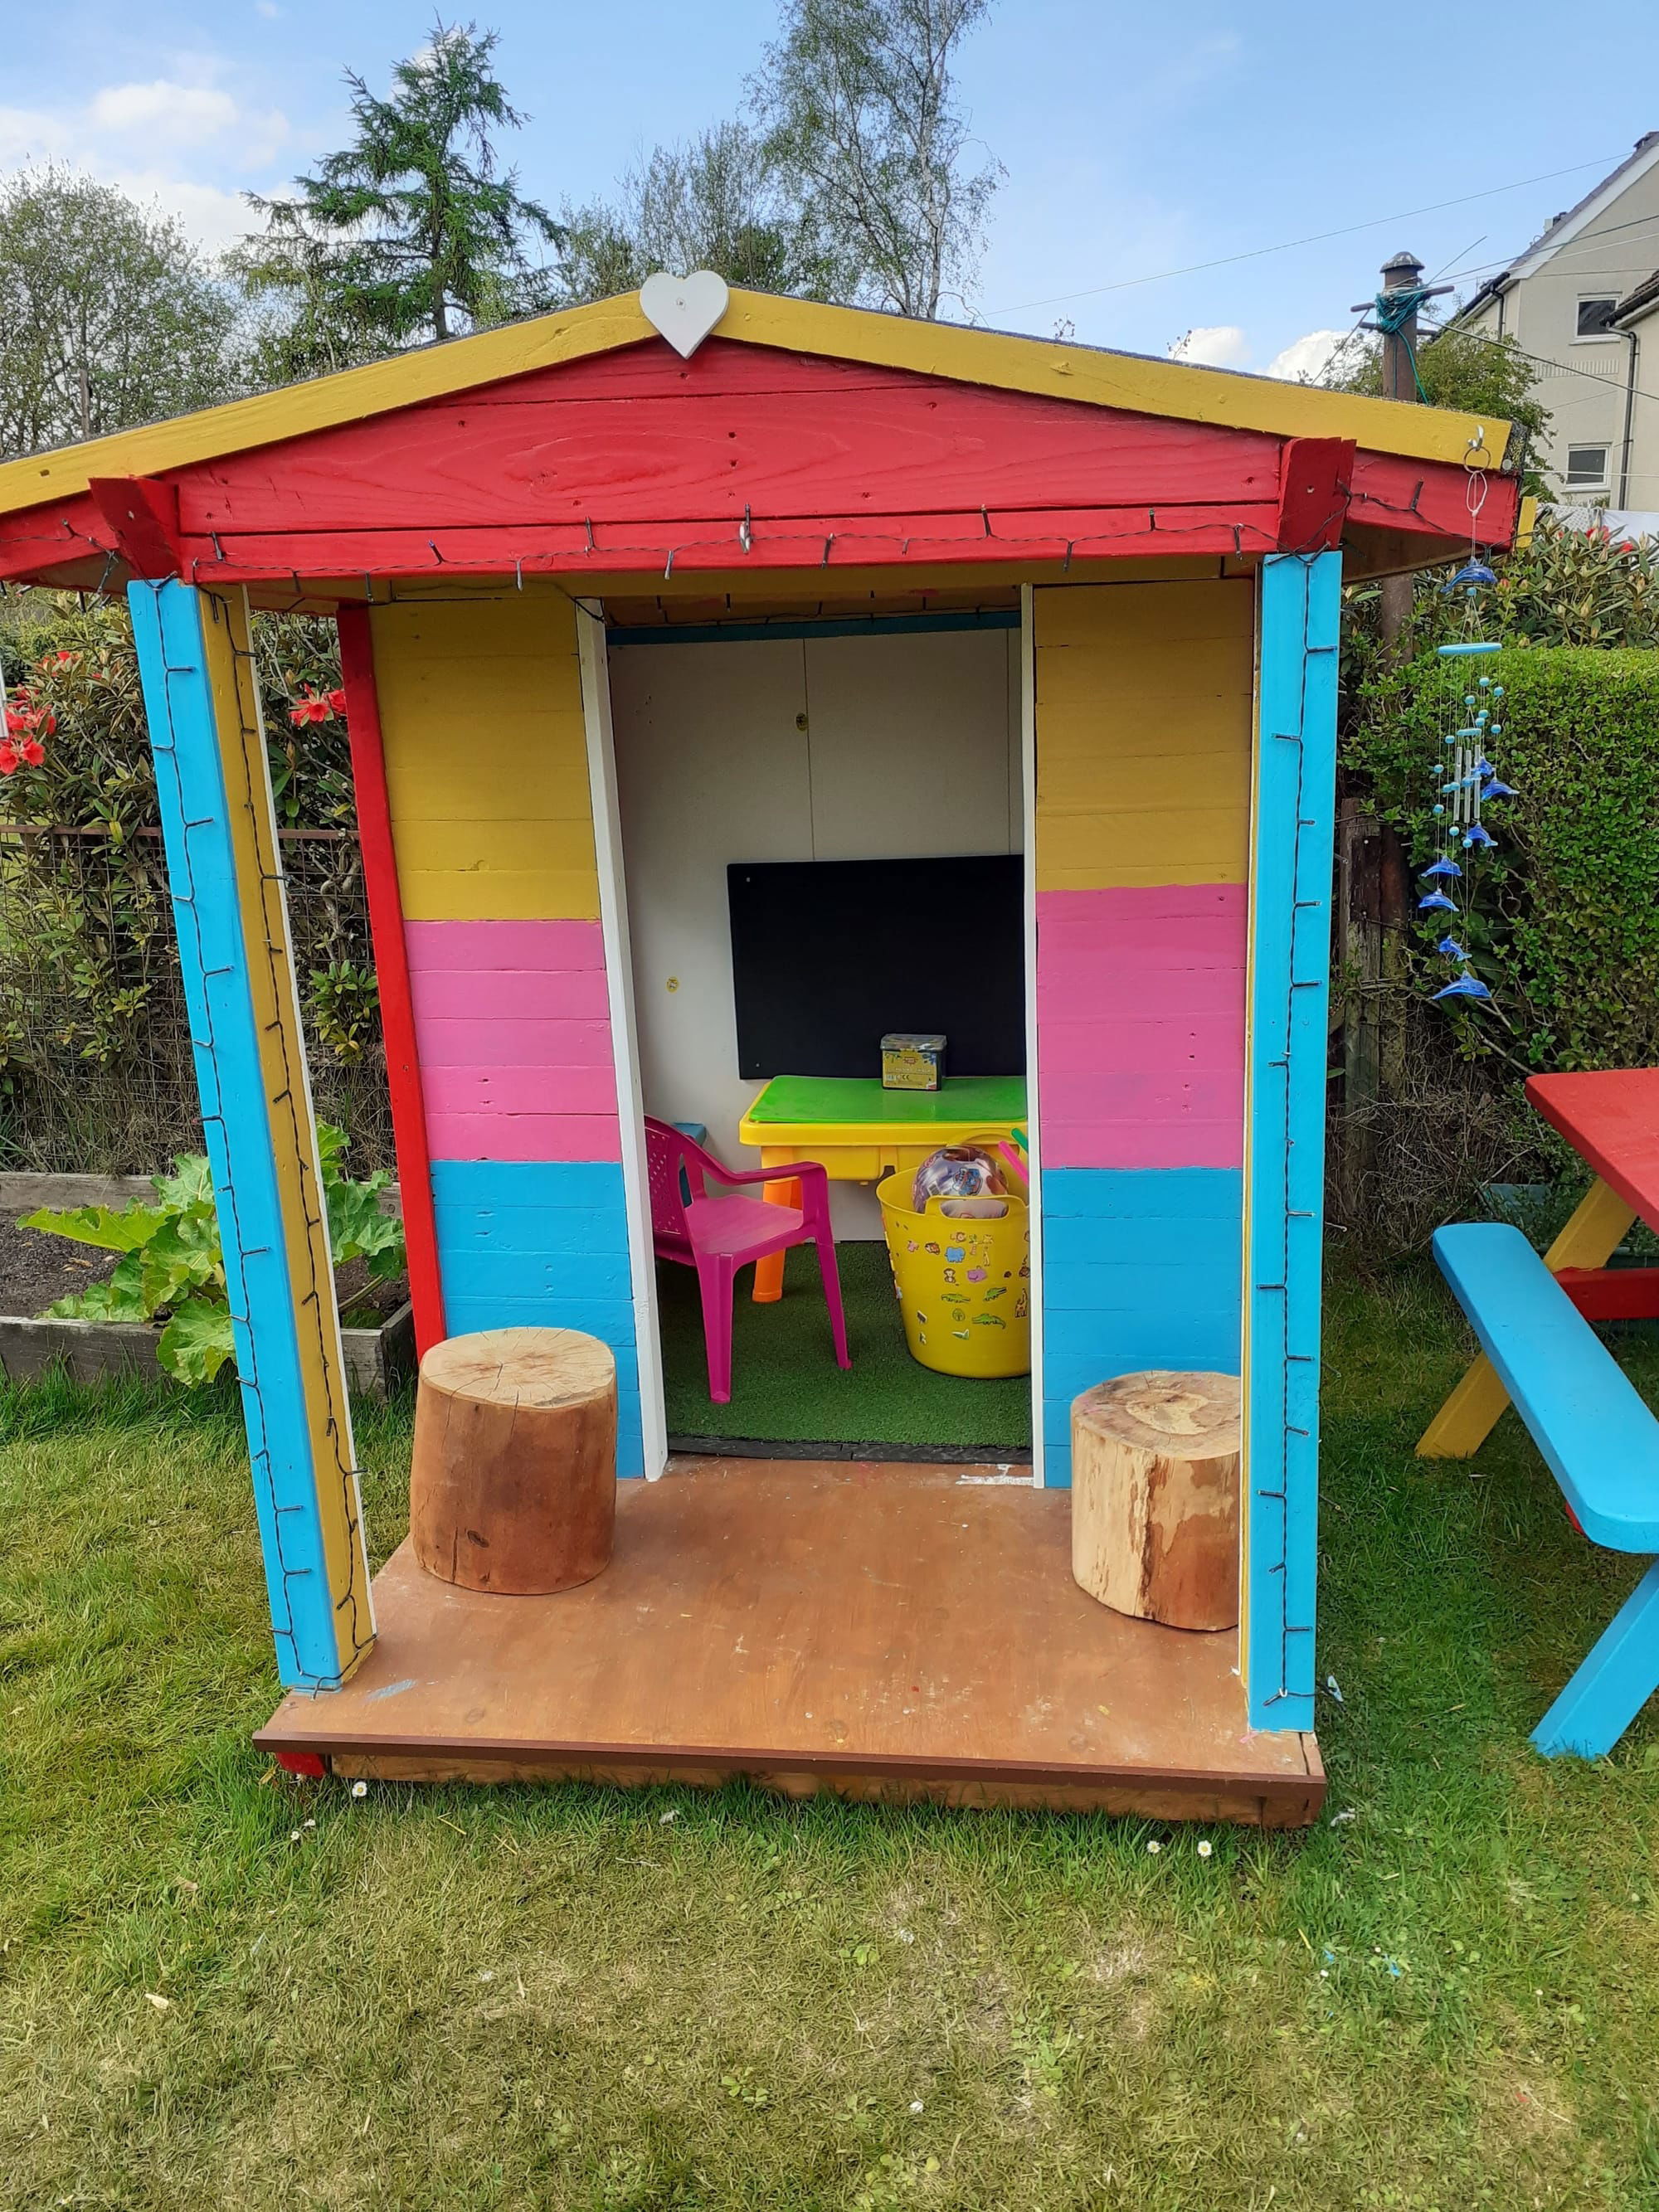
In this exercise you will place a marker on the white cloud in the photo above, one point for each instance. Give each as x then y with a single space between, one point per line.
214 218
140 137
188 113
1306 359
268 8
30 134
1212 345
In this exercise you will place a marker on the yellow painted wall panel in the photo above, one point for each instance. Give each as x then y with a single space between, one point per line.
503 894
486 759
1145 708
1194 845
1126 782
493 848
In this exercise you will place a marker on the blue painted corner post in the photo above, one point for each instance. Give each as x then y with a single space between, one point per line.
212 780
1292 841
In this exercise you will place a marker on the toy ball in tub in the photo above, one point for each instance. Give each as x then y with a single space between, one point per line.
956 1171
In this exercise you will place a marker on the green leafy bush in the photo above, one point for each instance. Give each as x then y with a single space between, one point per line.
1566 919
172 1264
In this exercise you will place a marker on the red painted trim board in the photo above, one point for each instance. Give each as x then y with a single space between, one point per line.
386 922
1613 1293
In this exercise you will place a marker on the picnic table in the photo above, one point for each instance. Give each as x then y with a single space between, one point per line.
1611 1118
1532 1318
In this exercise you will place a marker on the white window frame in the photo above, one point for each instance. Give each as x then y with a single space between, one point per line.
1601 483
1593 337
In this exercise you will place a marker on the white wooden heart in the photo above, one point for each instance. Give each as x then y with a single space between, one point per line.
685 308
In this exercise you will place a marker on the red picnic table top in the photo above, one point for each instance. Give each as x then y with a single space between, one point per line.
1611 1118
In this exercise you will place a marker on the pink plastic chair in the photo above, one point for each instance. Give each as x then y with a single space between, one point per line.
718 1236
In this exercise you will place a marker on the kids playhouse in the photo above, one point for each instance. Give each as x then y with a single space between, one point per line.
728 684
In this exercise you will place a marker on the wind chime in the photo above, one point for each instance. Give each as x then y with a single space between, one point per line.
1466 779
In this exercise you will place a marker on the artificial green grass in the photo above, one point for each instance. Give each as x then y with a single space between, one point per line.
1445 1996
787 1388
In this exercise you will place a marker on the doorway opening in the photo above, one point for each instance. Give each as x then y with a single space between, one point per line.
822 825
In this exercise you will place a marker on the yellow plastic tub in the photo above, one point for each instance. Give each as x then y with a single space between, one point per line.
963 1281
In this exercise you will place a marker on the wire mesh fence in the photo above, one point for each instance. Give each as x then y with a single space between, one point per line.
95 1065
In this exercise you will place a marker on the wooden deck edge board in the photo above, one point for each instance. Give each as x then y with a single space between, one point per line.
730 1760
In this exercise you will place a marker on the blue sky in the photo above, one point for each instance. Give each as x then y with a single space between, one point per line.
1138 140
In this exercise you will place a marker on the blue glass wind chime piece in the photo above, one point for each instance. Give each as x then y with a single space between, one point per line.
1466 780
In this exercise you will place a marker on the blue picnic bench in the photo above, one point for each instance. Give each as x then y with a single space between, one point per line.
1600 1442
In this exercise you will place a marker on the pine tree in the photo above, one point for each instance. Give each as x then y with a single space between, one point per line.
411 231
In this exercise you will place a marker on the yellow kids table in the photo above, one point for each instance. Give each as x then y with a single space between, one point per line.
859 1133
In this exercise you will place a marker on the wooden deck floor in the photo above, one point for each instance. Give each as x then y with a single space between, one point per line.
885 1631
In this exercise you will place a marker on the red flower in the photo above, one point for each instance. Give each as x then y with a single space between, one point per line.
19 720
310 708
69 656
337 702
7 759
46 723
33 751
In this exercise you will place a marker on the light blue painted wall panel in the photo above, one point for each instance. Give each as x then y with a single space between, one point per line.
1291 887
1142 1193
167 624
530 1244
1142 1268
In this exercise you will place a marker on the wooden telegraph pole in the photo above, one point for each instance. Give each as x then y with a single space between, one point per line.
1372 885
1402 273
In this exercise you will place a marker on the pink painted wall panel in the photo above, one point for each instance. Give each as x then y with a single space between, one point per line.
496 1136
1199 1042
447 1042
503 1090
1126 1095
512 1026
1140 1026
502 993
478 946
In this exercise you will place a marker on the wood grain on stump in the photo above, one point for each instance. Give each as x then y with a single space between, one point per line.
1155 1497
513 1483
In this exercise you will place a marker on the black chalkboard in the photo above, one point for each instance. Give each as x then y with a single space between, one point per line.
827 956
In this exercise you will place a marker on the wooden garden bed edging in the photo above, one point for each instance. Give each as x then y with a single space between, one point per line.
376 1360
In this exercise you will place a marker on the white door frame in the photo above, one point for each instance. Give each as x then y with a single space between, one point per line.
1029 842
624 1041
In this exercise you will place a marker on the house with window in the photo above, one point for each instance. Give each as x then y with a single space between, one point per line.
1578 300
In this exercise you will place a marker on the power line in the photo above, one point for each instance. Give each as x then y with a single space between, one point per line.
1543 360
1290 245
1636 222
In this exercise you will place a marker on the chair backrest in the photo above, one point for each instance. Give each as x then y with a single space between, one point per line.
675 1166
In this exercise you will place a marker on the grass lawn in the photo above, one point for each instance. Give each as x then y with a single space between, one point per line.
217 1988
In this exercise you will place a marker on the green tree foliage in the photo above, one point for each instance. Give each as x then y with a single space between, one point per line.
1565 919
88 966
108 315
411 232
858 108
851 181
720 201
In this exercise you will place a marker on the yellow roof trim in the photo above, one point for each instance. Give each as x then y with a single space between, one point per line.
1143 385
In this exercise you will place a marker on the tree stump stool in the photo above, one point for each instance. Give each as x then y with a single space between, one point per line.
1155 1497
513 1483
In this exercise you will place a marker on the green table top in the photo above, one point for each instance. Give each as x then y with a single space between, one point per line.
817 1101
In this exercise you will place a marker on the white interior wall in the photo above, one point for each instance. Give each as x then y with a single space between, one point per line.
828 749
